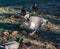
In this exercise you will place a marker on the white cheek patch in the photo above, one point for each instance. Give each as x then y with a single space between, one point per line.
26 16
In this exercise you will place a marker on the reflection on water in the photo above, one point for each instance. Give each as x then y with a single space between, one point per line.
47 6
51 7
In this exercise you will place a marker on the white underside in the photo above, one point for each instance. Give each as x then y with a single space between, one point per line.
32 26
15 45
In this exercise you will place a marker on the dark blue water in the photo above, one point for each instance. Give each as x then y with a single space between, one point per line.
51 7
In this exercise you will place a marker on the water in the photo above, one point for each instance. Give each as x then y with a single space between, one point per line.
51 7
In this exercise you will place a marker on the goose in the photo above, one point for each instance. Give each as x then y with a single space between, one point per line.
34 23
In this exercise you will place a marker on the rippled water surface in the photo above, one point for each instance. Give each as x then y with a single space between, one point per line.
47 6
51 7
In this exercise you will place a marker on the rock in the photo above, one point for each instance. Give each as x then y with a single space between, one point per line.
6 32
14 32
4 39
